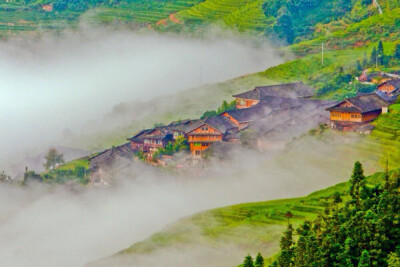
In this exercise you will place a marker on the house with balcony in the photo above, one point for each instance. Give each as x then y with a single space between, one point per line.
353 113
208 131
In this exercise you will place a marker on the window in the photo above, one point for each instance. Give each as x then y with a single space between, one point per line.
206 128
336 115
355 116
197 152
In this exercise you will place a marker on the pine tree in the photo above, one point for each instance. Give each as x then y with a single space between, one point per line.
248 261
365 61
337 199
365 260
259 260
285 258
380 53
358 66
357 182
380 49
373 56
396 54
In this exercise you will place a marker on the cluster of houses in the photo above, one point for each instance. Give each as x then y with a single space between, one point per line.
266 108
356 113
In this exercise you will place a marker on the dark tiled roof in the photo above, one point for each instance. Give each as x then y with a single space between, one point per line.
222 124
395 83
290 90
253 94
140 135
107 156
184 126
159 137
180 122
345 109
270 104
364 103
247 114
287 90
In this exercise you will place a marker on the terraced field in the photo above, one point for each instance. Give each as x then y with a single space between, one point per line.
242 14
15 19
385 139
139 12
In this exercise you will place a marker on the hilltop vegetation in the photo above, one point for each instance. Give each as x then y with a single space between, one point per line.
339 23
364 231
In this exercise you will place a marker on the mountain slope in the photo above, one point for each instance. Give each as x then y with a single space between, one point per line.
288 21
251 227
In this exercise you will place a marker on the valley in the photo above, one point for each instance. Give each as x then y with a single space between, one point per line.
183 133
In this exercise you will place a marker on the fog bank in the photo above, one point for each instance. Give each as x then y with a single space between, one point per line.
53 86
67 226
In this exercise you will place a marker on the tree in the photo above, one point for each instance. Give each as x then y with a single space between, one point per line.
393 260
285 258
365 260
365 61
259 260
374 54
248 261
284 25
396 54
380 49
358 66
337 199
288 215
53 158
357 182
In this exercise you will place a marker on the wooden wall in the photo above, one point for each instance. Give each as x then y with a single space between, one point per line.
245 103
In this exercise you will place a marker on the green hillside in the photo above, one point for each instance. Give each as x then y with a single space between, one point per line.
252 227
288 21
385 138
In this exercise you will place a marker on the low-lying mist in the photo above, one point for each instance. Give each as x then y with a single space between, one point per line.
53 86
71 226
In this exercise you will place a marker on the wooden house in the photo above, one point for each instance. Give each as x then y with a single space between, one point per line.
391 87
151 140
352 113
375 77
288 90
205 132
156 139
137 141
181 128
101 165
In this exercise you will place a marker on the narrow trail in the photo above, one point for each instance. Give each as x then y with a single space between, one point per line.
378 6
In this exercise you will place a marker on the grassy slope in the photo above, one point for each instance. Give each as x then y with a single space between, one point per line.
340 35
253 227
385 139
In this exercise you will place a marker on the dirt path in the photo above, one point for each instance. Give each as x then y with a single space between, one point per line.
378 6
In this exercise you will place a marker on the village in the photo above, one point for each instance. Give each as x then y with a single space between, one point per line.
266 113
